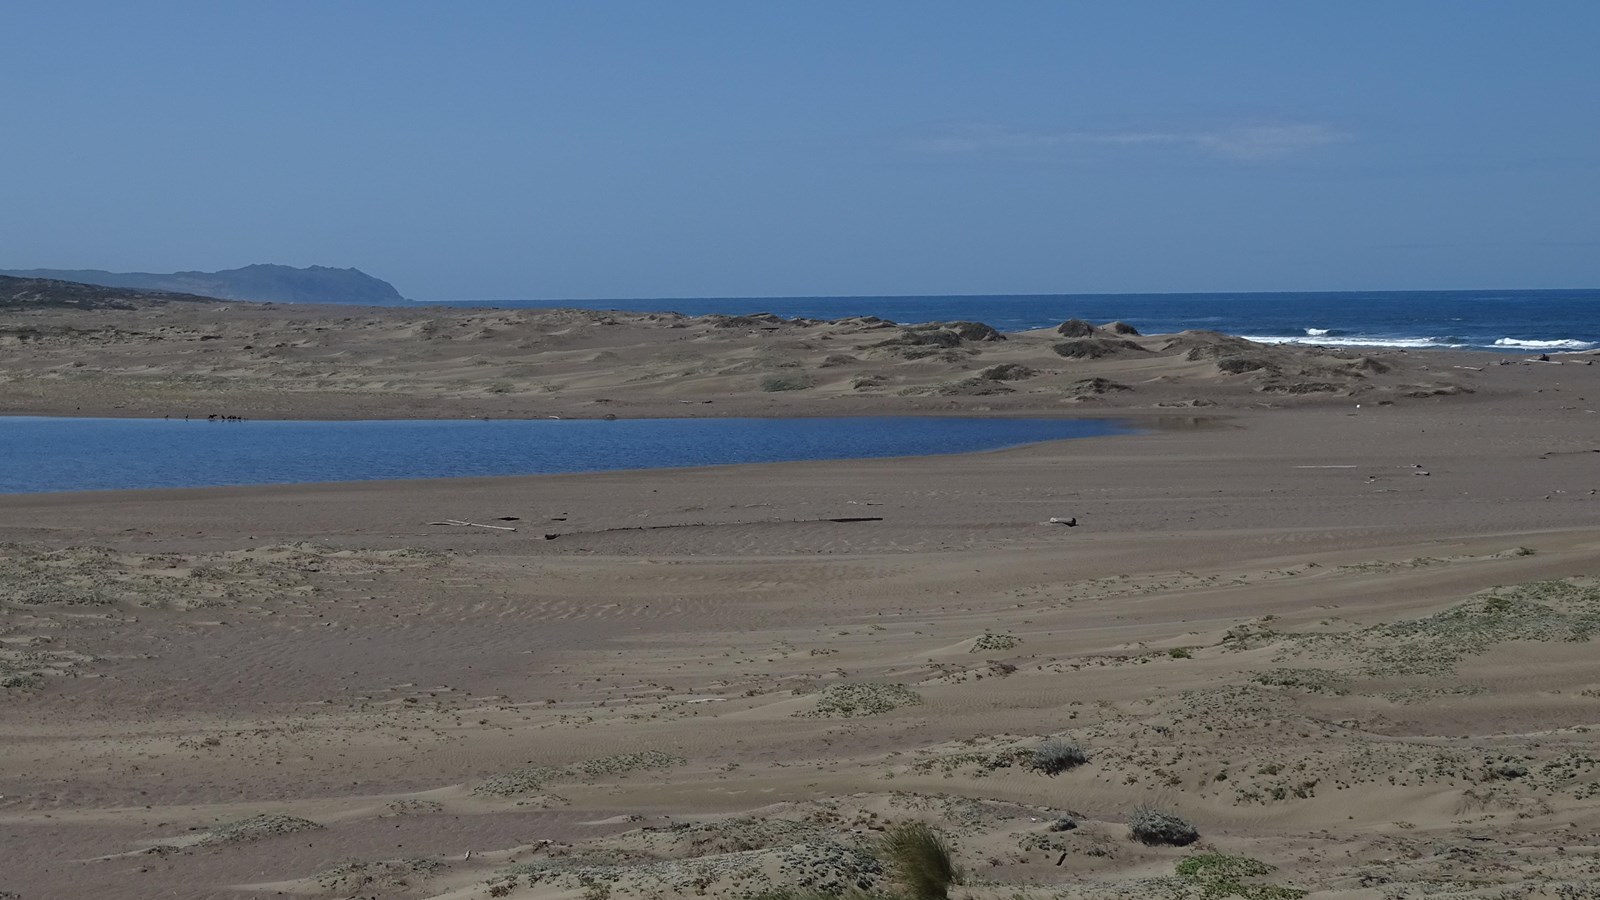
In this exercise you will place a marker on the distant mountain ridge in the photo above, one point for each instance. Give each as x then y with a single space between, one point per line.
261 282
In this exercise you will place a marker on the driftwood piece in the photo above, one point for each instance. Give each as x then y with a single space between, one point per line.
462 523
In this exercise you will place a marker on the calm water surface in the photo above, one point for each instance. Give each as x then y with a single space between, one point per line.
62 454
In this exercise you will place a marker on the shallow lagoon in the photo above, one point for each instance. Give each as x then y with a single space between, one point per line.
39 454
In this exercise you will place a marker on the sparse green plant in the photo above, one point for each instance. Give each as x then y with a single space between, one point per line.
1218 875
920 860
1054 756
1180 653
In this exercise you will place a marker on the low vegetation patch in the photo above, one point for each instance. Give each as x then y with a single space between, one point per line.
1567 610
989 642
1094 348
1076 328
848 701
533 778
1054 756
255 828
1155 827
1098 386
349 878
1217 875
790 382
1007 372
1239 365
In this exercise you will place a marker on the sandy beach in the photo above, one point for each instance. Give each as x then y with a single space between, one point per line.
1333 608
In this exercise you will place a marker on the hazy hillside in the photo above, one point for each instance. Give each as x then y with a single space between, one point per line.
47 292
282 284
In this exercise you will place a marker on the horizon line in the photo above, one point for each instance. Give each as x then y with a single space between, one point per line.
1001 295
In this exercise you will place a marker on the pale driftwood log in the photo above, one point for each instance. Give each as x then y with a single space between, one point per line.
460 523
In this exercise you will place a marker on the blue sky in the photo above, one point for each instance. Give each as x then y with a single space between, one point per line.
612 149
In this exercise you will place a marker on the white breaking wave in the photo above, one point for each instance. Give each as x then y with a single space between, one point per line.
1546 345
1409 343
1319 332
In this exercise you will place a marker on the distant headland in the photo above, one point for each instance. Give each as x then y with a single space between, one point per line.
261 282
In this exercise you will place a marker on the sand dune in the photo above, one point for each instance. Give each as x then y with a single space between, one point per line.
268 361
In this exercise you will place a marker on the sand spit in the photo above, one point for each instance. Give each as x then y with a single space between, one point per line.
271 361
1271 660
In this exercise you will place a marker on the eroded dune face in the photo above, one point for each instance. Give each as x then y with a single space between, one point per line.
261 360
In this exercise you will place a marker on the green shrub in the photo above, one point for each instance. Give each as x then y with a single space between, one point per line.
1218 875
920 860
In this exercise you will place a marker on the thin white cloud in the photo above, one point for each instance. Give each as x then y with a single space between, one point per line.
1249 142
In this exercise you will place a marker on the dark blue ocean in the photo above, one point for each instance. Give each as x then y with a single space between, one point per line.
50 454
1508 321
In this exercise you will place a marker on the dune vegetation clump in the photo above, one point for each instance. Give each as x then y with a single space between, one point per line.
257 827
920 861
1076 328
989 642
775 383
1093 348
1218 876
534 778
848 701
1054 756
1007 372
1155 827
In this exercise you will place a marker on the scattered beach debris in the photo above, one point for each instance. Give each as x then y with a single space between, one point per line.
1070 522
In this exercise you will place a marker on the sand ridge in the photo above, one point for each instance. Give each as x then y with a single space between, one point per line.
275 361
